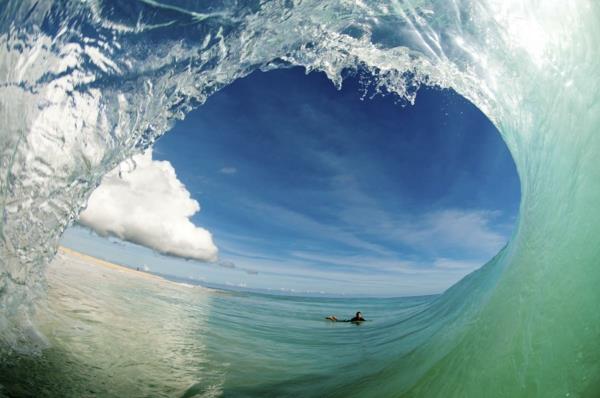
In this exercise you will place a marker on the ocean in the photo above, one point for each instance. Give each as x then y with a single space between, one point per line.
117 333
85 85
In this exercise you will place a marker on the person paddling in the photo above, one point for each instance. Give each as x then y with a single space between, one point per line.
358 318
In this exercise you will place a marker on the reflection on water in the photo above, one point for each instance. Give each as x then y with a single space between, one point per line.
115 334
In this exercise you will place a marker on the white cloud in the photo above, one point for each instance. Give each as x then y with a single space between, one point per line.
148 205
453 264
468 230
442 232
228 170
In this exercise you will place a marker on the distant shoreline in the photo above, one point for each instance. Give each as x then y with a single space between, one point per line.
108 265
175 280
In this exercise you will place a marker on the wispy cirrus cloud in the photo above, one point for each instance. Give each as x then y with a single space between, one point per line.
454 264
467 230
229 170
471 231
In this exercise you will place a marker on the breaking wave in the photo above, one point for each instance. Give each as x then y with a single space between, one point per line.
86 84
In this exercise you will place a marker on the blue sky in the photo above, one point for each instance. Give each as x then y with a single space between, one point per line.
315 189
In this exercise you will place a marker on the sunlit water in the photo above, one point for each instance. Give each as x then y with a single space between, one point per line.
115 333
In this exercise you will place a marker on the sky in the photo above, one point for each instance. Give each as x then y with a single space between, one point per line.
282 182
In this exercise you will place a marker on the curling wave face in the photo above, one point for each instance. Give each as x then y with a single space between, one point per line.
86 84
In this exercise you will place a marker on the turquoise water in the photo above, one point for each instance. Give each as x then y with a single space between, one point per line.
116 334
85 84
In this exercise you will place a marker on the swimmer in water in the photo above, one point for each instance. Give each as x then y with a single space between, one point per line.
357 318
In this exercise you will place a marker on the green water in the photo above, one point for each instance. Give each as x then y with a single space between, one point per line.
116 334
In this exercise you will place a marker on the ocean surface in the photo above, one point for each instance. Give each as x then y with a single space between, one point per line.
117 333
85 85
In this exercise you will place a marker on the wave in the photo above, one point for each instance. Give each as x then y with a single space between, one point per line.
85 85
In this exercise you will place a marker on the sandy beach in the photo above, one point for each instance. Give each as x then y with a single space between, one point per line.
108 265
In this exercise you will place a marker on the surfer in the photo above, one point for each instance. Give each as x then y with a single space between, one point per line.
358 318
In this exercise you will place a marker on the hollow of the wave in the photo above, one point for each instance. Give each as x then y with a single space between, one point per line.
59 362
327 165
